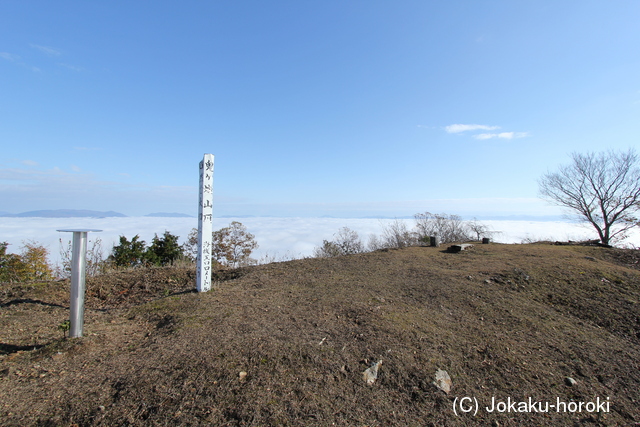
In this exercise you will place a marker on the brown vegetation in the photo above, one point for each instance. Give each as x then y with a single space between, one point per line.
287 343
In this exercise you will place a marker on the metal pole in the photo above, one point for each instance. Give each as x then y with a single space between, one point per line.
78 269
78 275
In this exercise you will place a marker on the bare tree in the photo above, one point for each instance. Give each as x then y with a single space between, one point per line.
603 189
396 235
346 242
375 243
449 228
479 229
190 247
233 245
95 262
327 250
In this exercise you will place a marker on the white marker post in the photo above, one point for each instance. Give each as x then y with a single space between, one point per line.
205 224
78 274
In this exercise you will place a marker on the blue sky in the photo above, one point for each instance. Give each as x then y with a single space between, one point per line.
343 108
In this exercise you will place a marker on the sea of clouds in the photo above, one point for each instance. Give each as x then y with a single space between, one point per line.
278 238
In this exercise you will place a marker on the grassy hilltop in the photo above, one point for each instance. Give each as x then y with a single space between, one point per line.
505 321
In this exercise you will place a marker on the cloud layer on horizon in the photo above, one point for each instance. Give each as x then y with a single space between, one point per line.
32 188
278 238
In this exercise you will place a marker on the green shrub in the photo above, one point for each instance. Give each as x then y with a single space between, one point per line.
164 250
128 253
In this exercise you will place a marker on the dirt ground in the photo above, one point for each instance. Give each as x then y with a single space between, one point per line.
287 343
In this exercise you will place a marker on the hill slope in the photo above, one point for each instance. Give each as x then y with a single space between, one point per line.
505 321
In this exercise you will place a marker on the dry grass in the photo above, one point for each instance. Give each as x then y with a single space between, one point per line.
503 321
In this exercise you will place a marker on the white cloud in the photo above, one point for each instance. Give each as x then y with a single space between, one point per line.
457 128
9 56
502 135
18 61
49 51
277 237
29 163
71 67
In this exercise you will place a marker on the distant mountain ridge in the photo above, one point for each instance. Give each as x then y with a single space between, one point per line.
85 213
65 213
169 215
